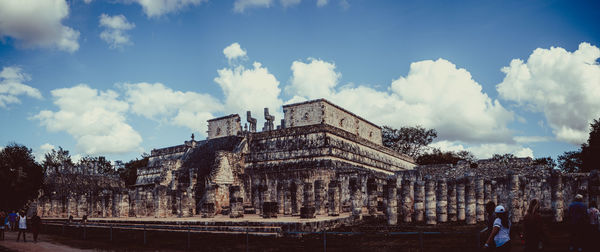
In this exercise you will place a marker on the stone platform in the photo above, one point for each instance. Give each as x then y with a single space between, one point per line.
252 224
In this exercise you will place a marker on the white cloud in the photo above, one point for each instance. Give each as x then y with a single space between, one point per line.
87 1
288 3
114 32
35 23
250 89
11 86
157 8
322 3
531 139
564 85
434 94
157 102
41 152
241 5
96 119
483 151
234 51
314 80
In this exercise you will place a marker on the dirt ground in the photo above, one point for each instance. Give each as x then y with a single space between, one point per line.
371 239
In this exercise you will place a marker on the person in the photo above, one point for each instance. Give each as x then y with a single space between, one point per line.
593 214
2 224
501 231
22 220
533 227
491 216
36 224
577 219
12 219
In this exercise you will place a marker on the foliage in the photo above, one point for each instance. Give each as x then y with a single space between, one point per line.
506 156
20 177
57 161
411 141
96 165
545 161
128 172
570 161
444 157
590 151
587 158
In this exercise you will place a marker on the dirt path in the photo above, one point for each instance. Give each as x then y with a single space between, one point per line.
44 244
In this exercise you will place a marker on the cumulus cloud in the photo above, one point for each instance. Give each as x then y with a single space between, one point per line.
158 102
483 151
563 85
157 8
35 23
96 119
41 151
434 94
241 5
250 89
114 32
11 86
288 3
234 51
87 1
322 3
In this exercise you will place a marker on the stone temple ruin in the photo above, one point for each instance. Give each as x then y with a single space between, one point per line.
322 160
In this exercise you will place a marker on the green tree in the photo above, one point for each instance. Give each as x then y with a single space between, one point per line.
20 177
545 161
129 171
570 161
590 151
444 157
96 165
411 141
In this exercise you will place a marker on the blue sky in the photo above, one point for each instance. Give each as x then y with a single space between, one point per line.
118 78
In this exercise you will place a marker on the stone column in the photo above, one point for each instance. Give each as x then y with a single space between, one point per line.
334 198
442 201
487 192
494 185
372 196
557 196
208 207
408 195
452 203
236 202
320 197
460 200
480 199
594 186
355 197
287 198
420 201
471 203
546 193
513 197
392 202
430 202
523 195
280 196
124 205
299 201
308 210
256 192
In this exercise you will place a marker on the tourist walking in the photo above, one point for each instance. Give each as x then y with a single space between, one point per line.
22 220
36 224
533 227
12 219
500 232
578 222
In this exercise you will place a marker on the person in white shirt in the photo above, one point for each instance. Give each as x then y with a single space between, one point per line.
500 232
22 220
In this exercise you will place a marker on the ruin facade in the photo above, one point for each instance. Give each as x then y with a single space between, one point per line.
321 160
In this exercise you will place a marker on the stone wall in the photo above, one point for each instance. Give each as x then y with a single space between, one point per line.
324 112
224 126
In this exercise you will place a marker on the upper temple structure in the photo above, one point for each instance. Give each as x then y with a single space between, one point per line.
320 160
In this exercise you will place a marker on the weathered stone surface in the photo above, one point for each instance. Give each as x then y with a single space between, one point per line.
442 200
430 201
334 198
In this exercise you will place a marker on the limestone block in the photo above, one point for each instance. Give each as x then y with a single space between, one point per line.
442 201
430 202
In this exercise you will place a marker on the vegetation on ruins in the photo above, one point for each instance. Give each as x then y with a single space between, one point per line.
128 172
411 141
414 141
587 158
20 176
